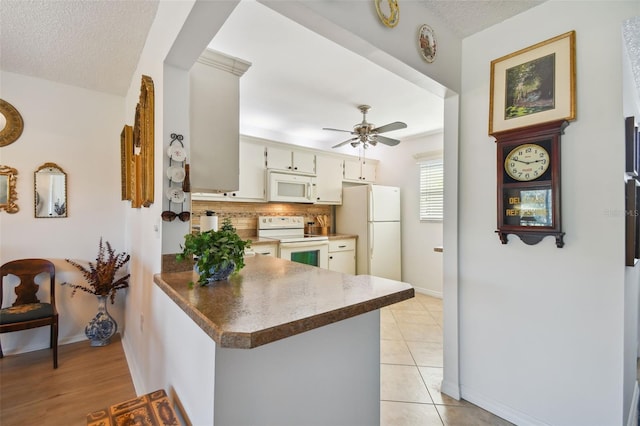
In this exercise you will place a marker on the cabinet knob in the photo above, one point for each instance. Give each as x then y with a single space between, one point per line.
330 257
295 168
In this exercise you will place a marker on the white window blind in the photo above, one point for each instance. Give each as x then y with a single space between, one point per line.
432 190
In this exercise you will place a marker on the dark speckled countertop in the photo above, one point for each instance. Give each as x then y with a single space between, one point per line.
272 299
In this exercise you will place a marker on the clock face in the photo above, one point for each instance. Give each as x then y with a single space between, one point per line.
527 162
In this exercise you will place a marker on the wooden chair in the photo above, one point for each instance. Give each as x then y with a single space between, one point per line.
27 311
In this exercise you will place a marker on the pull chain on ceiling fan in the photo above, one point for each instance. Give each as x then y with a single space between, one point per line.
367 134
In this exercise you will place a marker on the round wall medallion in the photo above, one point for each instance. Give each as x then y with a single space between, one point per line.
388 11
11 123
427 43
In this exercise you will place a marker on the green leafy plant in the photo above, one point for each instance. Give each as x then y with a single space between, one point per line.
101 276
214 250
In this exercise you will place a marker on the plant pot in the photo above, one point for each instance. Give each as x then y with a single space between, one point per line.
217 274
102 327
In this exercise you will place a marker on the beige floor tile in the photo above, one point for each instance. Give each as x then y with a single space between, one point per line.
390 331
409 304
403 414
421 332
402 383
433 379
414 317
395 352
430 302
469 416
386 315
437 316
428 354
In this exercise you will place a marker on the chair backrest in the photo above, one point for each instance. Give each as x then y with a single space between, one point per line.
27 270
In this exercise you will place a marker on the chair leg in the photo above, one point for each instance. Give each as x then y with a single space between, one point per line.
1 354
54 342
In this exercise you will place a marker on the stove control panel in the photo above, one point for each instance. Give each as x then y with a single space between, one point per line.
280 222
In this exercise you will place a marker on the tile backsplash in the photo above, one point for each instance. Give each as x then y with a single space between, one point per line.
244 216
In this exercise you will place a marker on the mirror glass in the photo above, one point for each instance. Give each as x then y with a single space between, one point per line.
50 193
8 195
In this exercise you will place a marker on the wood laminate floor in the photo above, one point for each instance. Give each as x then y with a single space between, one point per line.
87 379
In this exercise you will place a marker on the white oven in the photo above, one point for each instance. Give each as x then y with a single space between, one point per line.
294 245
315 253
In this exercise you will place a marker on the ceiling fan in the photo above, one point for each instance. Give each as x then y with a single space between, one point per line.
367 134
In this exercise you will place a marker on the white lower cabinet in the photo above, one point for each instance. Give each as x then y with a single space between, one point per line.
342 255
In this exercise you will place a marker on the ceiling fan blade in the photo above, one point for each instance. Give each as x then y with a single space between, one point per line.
387 141
338 130
389 127
344 143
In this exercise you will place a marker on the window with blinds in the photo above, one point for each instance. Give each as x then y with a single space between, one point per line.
432 190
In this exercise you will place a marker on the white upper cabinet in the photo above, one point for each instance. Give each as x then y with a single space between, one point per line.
214 104
329 179
359 170
252 173
291 160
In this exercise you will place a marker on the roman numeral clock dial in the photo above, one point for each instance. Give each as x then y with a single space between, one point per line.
528 183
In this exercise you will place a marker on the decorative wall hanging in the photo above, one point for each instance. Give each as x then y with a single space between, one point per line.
388 12
13 124
127 165
632 240
143 142
8 193
427 43
534 85
632 147
177 174
50 191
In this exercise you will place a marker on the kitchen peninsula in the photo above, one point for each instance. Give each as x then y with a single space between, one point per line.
301 343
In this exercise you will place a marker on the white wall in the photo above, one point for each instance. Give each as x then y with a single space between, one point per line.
79 130
421 266
541 328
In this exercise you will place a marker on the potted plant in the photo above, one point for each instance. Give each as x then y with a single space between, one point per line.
102 281
217 254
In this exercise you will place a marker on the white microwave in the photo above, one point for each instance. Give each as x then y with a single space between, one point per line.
291 188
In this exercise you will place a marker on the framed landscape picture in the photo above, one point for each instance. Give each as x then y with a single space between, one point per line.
534 85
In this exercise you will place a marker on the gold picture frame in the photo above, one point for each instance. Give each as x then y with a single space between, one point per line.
8 193
126 162
534 85
13 123
143 146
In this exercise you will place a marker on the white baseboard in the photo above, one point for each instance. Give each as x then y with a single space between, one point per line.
500 410
633 410
450 389
428 292
134 370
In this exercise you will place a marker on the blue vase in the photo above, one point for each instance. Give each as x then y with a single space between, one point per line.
102 327
218 274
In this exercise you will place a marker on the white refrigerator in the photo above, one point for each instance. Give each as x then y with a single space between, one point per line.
372 212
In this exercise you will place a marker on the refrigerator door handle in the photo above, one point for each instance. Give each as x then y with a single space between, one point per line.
371 241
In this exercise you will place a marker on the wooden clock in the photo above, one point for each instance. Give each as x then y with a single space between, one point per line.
528 172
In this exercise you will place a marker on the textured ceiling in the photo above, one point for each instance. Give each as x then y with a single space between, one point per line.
96 45
90 44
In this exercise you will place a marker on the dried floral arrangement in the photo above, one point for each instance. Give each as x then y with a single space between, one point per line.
101 275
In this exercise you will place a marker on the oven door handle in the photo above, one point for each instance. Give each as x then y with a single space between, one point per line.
304 244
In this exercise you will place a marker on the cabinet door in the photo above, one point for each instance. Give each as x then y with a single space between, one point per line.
352 170
266 249
343 261
368 171
252 173
279 158
304 162
329 182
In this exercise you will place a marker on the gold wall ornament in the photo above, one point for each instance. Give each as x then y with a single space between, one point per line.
126 162
143 145
388 12
8 193
13 124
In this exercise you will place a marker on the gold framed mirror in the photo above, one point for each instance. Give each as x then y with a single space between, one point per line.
11 123
50 191
8 193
